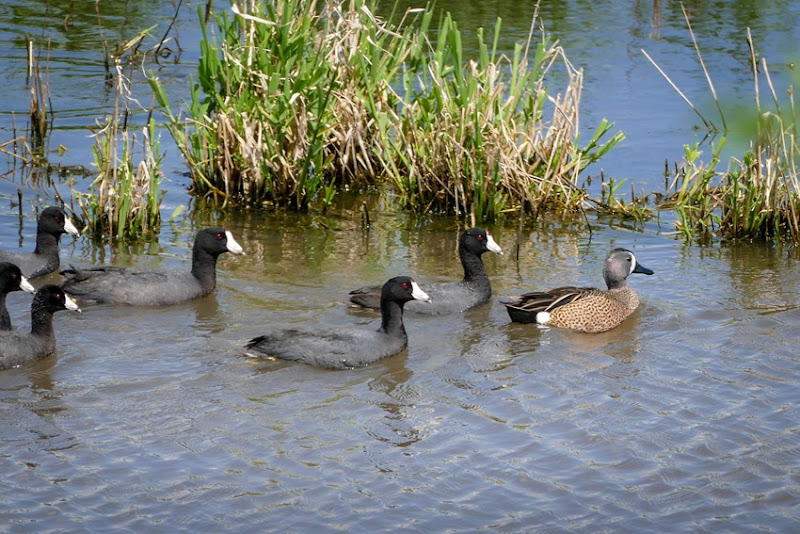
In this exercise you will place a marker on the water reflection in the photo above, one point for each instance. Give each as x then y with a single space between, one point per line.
762 277
76 27
475 407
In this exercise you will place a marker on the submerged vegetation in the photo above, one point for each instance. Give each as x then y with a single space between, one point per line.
296 100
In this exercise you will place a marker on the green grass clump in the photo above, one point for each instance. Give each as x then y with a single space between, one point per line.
296 100
124 200
758 197
290 102
474 136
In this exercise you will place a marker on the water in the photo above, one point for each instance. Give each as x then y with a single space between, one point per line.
685 418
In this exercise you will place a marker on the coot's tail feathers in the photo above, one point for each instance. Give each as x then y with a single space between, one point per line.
255 341
366 297
82 274
71 271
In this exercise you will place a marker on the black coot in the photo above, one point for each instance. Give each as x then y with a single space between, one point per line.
452 297
17 347
118 285
346 348
53 222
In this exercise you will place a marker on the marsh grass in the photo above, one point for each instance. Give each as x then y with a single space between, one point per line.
612 202
289 103
124 200
39 122
297 100
475 134
757 197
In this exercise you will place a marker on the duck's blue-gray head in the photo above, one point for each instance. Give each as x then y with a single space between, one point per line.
621 263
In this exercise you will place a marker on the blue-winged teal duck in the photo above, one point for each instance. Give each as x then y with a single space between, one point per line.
584 309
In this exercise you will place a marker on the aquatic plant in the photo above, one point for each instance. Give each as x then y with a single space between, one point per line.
124 200
473 134
39 123
758 197
613 204
289 103
295 100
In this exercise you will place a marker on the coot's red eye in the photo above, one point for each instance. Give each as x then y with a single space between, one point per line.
406 285
220 236
480 238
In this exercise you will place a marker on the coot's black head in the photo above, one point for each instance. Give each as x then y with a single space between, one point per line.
54 221
53 299
215 241
403 289
11 279
478 241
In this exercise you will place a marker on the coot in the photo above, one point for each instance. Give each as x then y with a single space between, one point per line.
451 297
11 279
53 222
119 285
18 347
346 348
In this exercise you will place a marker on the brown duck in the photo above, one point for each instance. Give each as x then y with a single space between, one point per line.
584 309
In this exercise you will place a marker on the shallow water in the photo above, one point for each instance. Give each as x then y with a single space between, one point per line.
684 418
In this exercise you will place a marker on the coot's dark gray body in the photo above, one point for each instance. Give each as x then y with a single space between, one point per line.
18 347
451 297
53 222
11 279
346 348
118 285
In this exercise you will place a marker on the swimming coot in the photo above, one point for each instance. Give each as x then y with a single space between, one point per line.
11 279
17 347
119 285
452 297
346 348
53 222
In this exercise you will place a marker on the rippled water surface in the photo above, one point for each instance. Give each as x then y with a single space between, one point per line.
685 418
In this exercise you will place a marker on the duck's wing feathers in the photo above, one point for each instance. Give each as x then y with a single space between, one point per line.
546 301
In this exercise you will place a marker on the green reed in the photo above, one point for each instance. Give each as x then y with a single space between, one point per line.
291 102
758 197
474 134
124 200
296 100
